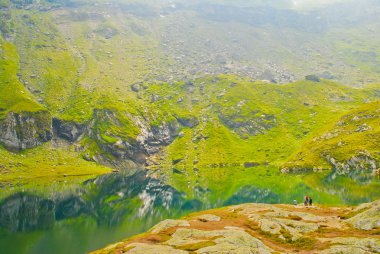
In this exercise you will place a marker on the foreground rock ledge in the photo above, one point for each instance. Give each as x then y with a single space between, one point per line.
263 228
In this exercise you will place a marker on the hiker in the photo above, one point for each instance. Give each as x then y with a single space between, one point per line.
310 201
306 200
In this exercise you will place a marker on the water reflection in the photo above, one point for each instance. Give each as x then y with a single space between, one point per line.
115 206
108 199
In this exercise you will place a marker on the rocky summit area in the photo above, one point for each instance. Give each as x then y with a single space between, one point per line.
263 228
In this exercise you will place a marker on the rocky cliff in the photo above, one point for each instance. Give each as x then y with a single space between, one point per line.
263 228
120 141
25 130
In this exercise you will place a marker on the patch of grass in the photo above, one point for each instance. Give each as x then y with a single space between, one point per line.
45 166
376 231
294 217
305 243
196 246
346 216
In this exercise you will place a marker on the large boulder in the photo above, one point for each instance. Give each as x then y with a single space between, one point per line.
368 219
189 121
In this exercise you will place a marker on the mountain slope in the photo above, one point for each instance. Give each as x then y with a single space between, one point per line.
23 122
101 81
352 144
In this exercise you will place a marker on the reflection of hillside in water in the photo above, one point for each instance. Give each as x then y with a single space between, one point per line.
109 199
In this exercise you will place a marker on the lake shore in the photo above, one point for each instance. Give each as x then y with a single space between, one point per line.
263 228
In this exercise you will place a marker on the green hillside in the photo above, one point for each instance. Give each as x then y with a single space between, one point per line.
14 96
351 144
118 114
117 84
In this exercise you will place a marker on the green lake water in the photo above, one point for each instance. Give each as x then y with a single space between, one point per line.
113 207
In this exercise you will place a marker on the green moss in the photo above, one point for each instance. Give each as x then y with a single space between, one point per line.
305 243
197 246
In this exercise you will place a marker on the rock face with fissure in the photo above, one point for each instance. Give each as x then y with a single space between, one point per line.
121 149
19 131
68 130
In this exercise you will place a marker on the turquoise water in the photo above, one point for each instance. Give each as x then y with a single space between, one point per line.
112 207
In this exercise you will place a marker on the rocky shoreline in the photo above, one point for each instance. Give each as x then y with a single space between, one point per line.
263 228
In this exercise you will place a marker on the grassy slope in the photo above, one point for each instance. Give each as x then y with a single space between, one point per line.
211 150
43 165
73 67
46 63
342 140
295 120
14 97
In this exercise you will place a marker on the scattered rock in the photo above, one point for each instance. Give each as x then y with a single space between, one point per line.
190 122
251 164
136 88
313 78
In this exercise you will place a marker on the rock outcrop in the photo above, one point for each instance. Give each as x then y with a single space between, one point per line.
68 130
368 217
262 228
349 245
357 163
115 137
258 123
19 131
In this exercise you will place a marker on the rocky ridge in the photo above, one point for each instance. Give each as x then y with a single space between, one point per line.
263 228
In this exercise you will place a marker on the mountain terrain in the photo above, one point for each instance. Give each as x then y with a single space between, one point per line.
118 114
116 84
